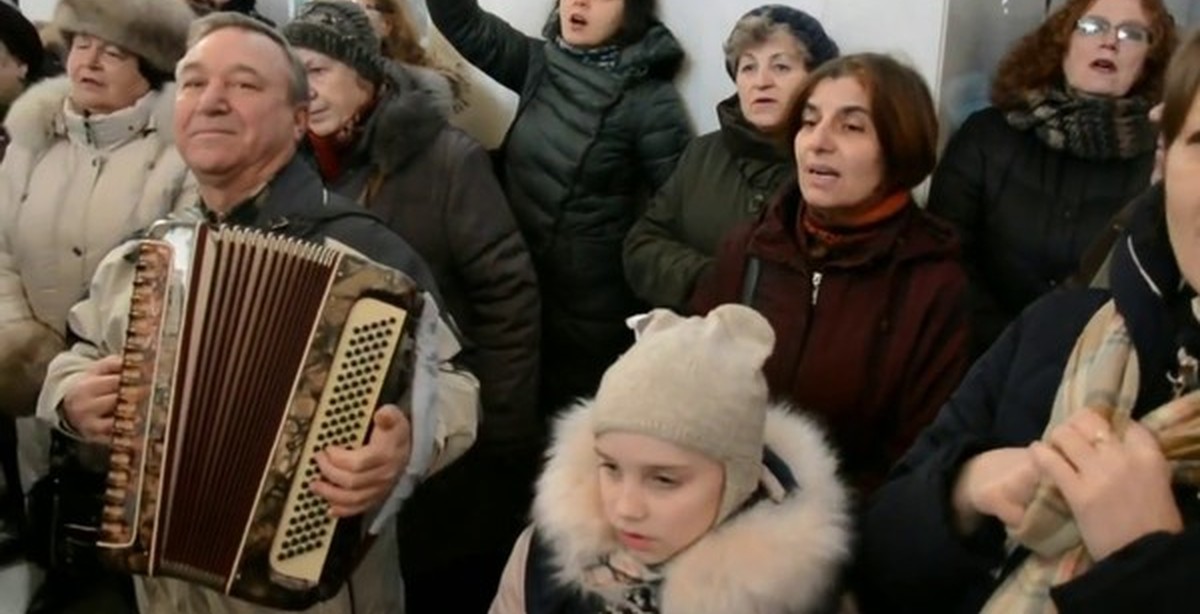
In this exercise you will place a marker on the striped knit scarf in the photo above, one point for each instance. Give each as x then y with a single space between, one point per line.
605 57
1087 127
1101 374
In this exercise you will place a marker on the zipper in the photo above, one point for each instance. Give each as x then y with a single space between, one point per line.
817 276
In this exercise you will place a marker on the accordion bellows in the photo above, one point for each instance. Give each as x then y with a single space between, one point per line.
246 354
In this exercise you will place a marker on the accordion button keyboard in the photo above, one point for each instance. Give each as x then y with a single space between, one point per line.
342 418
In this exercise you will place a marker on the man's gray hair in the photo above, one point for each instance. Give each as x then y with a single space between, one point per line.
298 75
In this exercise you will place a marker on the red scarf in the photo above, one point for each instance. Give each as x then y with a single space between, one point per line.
856 228
333 151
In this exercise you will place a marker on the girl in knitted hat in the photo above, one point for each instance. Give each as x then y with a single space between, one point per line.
599 126
681 489
728 176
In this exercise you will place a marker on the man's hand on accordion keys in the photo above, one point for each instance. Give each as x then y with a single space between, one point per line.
89 406
354 481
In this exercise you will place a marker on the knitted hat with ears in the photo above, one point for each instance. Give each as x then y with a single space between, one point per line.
340 30
698 383
154 30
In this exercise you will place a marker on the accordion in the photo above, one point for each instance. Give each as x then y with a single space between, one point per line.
245 355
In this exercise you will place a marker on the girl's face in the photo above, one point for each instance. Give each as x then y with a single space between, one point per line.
590 23
839 158
658 497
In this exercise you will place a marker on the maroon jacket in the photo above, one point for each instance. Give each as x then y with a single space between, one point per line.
871 340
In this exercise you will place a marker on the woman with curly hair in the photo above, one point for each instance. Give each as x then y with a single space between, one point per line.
1032 180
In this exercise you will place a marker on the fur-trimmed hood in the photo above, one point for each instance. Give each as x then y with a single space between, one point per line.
410 116
37 119
774 556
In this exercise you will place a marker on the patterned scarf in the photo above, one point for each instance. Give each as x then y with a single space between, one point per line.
626 585
605 57
1102 373
1087 127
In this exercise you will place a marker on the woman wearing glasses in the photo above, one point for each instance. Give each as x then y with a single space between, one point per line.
1060 477
1032 180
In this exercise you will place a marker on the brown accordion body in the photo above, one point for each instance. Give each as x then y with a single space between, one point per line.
245 354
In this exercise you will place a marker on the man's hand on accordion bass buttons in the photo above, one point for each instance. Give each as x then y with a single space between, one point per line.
354 481
89 405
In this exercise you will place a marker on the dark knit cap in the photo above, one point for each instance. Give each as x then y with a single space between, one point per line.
22 40
803 26
340 30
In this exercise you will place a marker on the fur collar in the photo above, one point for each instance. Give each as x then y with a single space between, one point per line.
37 119
411 115
772 557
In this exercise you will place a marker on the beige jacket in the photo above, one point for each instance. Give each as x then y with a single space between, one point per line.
71 188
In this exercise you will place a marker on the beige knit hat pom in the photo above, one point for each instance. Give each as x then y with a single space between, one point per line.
696 382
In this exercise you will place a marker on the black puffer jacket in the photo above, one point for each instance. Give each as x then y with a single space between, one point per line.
1026 213
587 147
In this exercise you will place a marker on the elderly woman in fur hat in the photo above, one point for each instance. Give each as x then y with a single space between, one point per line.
727 176
680 489
378 134
91 160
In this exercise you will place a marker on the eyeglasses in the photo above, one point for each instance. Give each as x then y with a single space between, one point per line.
1093 25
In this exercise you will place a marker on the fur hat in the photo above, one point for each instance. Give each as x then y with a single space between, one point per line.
698 383
801 25
340 30
154 30
22 40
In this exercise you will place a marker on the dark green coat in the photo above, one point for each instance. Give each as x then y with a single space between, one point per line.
586 149
723 178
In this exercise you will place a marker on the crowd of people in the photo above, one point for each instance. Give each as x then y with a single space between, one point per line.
745 371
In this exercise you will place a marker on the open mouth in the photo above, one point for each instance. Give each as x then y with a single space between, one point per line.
578 20
1104 66
822 171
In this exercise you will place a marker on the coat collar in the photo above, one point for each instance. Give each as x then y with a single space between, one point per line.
1151 295
774 556
743 139
40 117
409 117
897 239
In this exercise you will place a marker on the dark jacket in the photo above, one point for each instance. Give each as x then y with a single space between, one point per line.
871 340
296 203
724 178
1025 213
434 186
912 560
586 149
